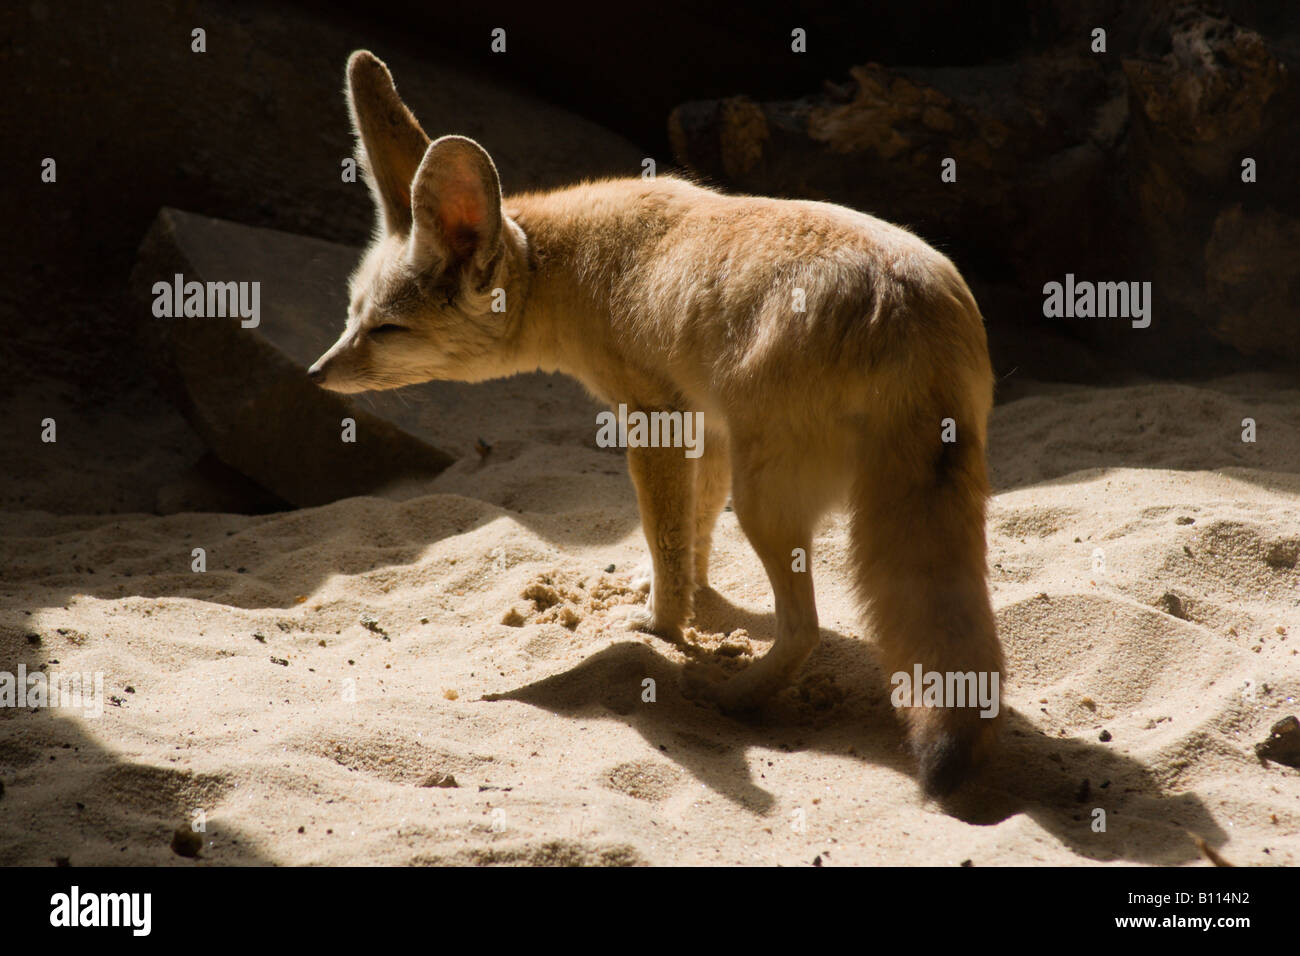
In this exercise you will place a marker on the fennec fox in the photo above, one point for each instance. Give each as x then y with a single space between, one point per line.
827 351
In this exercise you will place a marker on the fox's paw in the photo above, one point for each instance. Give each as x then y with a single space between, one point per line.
635 617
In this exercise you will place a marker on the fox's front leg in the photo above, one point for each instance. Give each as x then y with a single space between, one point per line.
712 486
711 482
665 494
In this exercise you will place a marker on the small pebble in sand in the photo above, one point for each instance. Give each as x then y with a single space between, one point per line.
187 843
513 618
450 694
443 780
1104 736
1089 703
1172 605
371 624
609 569
1283 743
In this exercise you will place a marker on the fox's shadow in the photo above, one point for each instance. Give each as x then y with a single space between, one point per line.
1030 774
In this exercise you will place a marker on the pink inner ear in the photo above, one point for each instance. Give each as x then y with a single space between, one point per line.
460 208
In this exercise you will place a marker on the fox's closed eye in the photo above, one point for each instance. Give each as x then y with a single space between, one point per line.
388 328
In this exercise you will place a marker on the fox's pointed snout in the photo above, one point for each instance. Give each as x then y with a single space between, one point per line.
325 371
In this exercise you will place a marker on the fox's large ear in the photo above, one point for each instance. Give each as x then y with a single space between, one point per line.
456 205
390 143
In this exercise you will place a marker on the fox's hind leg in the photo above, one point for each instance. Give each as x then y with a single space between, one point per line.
777 510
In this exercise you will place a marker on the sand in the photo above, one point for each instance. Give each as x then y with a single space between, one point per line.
367 683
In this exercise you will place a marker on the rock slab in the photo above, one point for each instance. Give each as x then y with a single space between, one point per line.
246 392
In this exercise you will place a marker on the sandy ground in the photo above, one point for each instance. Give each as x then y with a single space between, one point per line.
434 676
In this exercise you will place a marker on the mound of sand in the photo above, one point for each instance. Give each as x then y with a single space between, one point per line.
434 676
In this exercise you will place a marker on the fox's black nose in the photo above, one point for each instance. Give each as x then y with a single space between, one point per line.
317 375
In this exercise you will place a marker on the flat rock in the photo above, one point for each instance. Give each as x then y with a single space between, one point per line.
245 390
1283 743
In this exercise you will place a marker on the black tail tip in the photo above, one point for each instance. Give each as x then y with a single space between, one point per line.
946 762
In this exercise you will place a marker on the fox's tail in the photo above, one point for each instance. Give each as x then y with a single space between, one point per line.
918 545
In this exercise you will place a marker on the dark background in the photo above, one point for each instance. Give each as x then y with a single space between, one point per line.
1122 166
